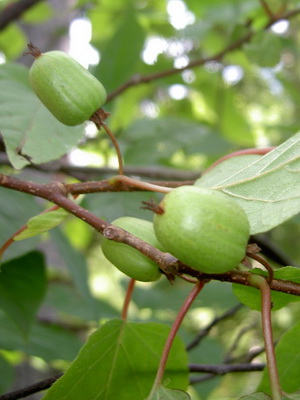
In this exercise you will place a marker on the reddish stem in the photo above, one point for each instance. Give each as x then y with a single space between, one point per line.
266 304
176 325
11 240
265 263
243 152
127 299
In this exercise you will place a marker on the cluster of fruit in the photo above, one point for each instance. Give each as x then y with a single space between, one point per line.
205 229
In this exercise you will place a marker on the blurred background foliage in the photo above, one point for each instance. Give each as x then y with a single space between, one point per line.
170 125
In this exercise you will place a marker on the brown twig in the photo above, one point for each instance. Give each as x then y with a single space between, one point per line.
14 11
57 193
139 79
31 389
222 369
204 332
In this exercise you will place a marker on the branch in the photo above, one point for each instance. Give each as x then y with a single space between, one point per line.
13 11
222 369
31 389
138 79
204 332
57 193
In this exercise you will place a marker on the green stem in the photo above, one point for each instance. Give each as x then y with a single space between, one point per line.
176 325
261 283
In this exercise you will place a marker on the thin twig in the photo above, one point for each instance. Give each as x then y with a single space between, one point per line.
57 193
14 11
262 284
139 79
222 369
31 389
175 327
204 332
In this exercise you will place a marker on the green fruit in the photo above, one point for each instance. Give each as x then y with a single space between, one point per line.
129 260
203 228
66 88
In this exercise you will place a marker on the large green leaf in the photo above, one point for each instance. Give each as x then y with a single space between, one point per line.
22 288
16 208
65 300
164 136
77 266
233 123
251 297
119 361
29 128
6 374
264 49
268 188
47 341
168 394
122 52
288 362
256 396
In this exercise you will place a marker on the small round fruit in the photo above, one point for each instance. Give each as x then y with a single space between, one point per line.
129 260
70 92
203 228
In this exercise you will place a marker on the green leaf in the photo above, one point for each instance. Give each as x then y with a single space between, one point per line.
226 168
251 296
22 288
47 341
268 189
168 394
288 361
233 123
111 206
122 52
16 209
15 72
77 265
38 14
162 137
28 127
12 41
6 375
292 396
256 396
65 300
42 223
264 49
119 361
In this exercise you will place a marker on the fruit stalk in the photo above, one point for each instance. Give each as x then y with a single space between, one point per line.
175 327
260 283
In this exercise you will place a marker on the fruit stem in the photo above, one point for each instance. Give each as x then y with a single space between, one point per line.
98 118
174 329
131 182
261 151
127 299
117 148
264 262
265 291
33 51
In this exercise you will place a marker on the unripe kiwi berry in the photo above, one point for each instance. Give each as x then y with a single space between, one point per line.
70 92
129 260
203 228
